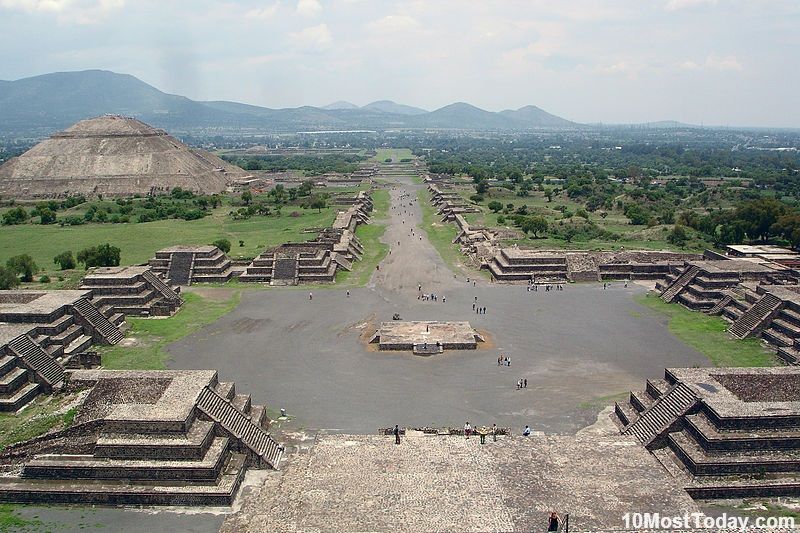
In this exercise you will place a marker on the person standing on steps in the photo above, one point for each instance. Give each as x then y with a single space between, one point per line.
396 434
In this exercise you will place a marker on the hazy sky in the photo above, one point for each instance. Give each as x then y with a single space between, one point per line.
726 62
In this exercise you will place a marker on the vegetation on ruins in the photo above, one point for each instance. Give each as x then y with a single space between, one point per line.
223 244
65 260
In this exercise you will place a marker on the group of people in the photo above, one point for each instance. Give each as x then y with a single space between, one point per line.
432 297
503 360
522 383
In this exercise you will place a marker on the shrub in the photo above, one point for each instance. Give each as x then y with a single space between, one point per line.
223 244
8 280
44 279
65 260
103 255
22 265
18 215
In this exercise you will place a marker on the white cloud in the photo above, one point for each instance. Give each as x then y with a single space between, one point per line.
312 37
77 11
309 8
263 13
677 5
393 23
713 62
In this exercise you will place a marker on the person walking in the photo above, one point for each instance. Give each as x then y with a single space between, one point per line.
525 383
467 429
348 293
396 434
494 432
553 522
310 296
526 432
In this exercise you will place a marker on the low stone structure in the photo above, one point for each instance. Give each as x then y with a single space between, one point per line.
426 337
318 260
158 437
42 333
722 432
759 298
132 290
184 265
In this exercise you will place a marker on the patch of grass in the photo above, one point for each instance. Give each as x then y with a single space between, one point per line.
441 235
37 419
707 334
395 154
374 249
139 242
602 401
11 521
153 334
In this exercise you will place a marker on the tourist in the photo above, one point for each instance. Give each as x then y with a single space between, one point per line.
526 432
396 434
519 384
553 523
310 296
494 432
473 306
508 361
467 429
525 383
499 360
348 293
444 299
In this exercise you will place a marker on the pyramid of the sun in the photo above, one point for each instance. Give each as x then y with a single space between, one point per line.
113 156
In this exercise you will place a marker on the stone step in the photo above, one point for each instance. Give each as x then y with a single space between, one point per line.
710 438
220 492
12 380
183 446
20 398
79 345
226 389
92 467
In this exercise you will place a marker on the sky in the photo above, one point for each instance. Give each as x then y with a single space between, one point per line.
712 62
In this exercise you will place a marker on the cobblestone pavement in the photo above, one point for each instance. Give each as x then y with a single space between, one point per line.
432 483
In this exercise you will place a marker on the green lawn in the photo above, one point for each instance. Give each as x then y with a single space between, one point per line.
151 335
707 335
395 154
139 242
370 237
441 234
43 414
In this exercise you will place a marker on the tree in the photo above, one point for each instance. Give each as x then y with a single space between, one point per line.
47 216
481 187
65 260
549 194
223 244
22 265
18 215
103 255
8 280
318 203
495 206
247 197
677 236
788 227
534 225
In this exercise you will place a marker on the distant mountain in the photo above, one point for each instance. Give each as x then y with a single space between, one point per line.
387 106
341 104
533 116
38 106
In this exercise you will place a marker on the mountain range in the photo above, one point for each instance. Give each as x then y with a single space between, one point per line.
39 105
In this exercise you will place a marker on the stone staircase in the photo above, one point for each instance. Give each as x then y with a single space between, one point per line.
756 317
679 284
240 425
284 271
656 419
720 305
99 322
159 285
36 359
180 268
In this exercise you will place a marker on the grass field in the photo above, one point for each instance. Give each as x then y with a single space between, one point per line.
150 336
43 414
139 242
441 234
395 154
707 335
374 250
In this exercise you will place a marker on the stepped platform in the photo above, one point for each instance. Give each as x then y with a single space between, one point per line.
426 337
184 265
738 437
145 438
132 290
41 334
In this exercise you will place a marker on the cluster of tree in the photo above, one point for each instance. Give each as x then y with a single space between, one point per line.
278 197
310 165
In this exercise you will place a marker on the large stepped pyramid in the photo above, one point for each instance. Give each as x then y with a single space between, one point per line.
145 438
113 155
184 265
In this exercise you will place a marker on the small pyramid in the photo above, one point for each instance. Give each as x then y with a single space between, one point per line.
113 155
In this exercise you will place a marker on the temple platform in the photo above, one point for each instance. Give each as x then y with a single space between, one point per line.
426 337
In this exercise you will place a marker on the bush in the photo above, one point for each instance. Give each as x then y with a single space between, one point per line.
18 215
65 260
103 255
44 279
23 265
47 216
677 236
501 219
223 244
8 280
494 206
